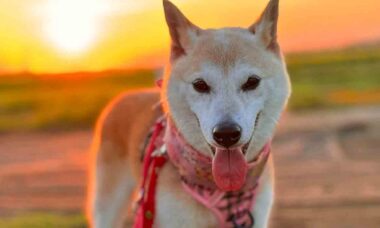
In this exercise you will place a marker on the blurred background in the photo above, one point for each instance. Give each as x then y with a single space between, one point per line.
61 61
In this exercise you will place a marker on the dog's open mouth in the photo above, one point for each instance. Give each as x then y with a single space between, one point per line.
229 165
244 148
229 168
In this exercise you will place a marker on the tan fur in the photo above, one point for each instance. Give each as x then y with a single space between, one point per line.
118 139
225 57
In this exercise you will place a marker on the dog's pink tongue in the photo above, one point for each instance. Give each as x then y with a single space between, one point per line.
229 169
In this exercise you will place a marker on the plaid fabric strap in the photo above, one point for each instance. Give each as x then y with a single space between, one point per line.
232 209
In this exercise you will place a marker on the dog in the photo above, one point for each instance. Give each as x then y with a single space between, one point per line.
223 94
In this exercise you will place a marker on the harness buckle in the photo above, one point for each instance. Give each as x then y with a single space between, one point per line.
159 151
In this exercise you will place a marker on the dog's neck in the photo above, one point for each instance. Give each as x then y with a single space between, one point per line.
231 208
195 168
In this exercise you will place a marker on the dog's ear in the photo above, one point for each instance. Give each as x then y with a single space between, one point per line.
182 32
266 26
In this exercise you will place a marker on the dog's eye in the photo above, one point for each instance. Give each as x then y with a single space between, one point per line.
201 86
251 84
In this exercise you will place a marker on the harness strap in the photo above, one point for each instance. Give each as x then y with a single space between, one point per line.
232 209
151 167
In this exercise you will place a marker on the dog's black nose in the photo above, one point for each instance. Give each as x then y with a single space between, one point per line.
226 134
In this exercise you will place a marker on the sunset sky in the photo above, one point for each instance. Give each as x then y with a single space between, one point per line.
51 36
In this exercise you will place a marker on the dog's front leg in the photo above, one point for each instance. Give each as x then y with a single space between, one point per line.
112 188
264 200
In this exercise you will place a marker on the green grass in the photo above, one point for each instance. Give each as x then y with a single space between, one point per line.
323 80
320 80
42 220
41 103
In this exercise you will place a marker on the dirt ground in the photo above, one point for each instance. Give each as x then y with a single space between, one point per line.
327 170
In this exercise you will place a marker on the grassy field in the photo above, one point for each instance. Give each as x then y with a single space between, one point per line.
42 220
335 78
320 80
68 102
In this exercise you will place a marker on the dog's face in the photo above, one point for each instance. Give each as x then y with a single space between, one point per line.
227 87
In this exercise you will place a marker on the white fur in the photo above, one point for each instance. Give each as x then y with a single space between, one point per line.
224 58
264 200
187 107
177 208
226 99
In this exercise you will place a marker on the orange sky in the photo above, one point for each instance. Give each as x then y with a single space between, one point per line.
50 36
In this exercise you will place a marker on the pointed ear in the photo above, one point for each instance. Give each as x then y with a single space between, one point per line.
182 32
266 26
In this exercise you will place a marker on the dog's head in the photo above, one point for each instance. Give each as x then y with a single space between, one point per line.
226 87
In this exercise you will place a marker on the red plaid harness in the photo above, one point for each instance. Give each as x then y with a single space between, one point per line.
232 209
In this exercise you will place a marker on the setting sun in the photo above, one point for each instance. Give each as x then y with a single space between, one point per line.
57 36
73 26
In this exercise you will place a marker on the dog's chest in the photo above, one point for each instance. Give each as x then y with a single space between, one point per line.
175 207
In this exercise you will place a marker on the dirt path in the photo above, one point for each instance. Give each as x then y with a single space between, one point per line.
327 167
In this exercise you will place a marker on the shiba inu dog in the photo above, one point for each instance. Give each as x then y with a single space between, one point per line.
223 94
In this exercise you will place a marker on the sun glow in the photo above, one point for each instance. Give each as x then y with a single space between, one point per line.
93 35
73 26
